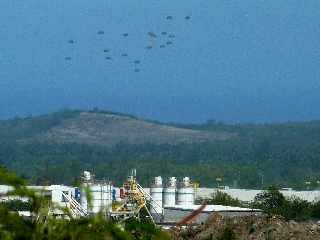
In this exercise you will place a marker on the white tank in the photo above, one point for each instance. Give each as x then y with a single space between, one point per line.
186 193
101 195
158 181
156 191
169 195
83 197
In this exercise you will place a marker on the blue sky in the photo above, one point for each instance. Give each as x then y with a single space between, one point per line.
234 61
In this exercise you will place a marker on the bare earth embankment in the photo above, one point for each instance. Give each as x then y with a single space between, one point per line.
252 228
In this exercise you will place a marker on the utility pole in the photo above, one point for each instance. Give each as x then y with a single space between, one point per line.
261 178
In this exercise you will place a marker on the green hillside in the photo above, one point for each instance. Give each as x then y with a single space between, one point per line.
55 148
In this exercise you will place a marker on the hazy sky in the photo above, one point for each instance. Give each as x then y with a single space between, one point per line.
235 61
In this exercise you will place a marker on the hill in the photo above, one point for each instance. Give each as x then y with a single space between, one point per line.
110 129
55 148
100 128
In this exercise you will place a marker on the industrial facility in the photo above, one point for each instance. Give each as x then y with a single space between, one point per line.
165 202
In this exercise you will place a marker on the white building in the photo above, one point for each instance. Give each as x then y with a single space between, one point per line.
248 195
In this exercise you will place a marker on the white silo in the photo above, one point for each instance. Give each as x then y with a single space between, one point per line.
169 195
100 193
86 180
101 197
156 191
186 193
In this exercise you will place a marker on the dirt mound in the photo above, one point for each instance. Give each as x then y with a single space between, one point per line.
252 228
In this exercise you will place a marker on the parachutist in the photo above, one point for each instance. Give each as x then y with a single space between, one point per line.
152 34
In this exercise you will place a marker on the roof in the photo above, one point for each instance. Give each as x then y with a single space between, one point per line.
213 208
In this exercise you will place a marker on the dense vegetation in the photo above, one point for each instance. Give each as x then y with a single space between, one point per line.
272 202
44 226
285 154
16 205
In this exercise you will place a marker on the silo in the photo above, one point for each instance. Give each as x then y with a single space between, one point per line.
156 191
83 197
87 179
169 195
186 192
101 194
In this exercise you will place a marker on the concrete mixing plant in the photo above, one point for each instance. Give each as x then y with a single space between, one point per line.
167 202
128 200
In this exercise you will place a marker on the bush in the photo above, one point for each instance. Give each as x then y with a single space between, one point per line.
315 210
221 198
16 205
272 202
227 234
297 209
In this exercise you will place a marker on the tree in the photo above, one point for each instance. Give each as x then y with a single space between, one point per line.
271 201
297 209
222 198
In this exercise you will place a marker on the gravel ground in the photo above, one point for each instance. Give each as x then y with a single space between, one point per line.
218 227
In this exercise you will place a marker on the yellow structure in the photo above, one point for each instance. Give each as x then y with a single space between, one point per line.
133 202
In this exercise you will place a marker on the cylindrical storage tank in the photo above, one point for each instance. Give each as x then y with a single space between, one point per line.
101 197
169 194
83 197
87 178
186 193
156 191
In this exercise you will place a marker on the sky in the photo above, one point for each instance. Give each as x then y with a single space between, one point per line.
233 61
